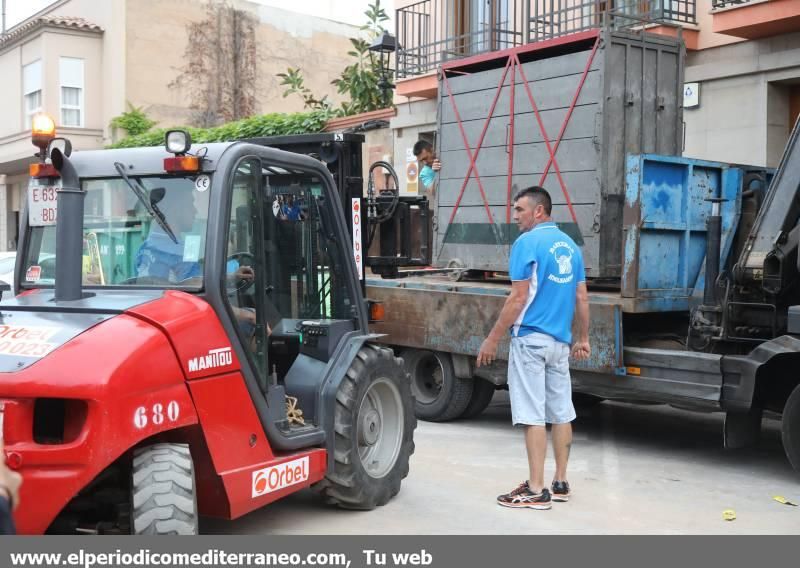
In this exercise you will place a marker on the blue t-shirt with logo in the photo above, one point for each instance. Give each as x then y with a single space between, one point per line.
553 264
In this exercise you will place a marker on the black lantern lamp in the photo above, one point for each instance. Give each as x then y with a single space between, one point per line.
385 44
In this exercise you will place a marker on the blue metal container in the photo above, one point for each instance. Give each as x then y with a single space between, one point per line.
664 227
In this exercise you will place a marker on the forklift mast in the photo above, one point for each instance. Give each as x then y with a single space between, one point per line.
401 224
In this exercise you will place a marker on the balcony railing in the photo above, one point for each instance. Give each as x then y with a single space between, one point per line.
552 18
727 3
431 32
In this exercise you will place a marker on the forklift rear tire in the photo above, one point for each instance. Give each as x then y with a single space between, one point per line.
439 395
482 393
374 423
163 495
790 428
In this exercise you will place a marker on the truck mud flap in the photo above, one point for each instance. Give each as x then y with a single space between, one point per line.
741 371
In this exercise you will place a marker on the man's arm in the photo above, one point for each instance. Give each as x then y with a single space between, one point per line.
508 315
580 324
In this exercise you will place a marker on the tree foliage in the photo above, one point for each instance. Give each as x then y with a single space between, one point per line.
359 81
295 84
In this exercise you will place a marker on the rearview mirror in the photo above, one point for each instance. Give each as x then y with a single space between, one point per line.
62 144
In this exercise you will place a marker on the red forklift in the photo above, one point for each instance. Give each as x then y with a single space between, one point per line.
189 336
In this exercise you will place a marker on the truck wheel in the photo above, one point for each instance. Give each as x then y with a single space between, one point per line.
163 496
439 395
482 393
374 423
790 428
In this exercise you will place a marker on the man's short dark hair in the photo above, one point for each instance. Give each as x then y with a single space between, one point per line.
422 145
538 195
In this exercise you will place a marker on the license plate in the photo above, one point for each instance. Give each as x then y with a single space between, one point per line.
42 201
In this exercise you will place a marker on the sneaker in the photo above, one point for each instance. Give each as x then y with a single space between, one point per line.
523 498
560 491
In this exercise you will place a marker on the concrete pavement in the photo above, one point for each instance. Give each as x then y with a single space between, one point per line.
634 469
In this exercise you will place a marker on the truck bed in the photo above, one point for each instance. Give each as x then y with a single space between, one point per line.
434 313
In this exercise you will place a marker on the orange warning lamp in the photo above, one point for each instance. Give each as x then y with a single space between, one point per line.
43 130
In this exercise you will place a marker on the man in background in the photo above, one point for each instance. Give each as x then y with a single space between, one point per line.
429 164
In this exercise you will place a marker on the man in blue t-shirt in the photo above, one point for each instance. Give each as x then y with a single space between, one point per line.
548 289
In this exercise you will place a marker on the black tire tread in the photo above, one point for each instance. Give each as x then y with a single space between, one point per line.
454 396
482 394
348 485
790 428
163 496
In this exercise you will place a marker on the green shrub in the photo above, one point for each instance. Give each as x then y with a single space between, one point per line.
134 121
273 124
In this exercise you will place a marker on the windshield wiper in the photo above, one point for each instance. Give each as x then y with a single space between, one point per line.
141 195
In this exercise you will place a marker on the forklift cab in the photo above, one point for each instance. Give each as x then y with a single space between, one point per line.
253 230
197 308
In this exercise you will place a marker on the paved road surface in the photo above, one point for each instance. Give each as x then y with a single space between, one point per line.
634 469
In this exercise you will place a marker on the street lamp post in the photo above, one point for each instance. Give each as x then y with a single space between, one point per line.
384 45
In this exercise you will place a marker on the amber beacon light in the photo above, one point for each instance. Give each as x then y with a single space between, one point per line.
43 130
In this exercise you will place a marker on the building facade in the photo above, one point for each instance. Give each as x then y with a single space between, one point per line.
742 68
184 62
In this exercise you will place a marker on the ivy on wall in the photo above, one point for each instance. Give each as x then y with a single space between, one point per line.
219 76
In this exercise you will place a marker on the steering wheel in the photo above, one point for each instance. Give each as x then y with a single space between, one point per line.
243 284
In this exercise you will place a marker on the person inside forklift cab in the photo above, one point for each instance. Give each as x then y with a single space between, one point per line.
429 164
162 258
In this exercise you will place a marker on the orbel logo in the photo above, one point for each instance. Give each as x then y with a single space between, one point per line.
221 357
277 477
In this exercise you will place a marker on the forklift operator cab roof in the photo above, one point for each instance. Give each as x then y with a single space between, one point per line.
140 161
126 246
149 161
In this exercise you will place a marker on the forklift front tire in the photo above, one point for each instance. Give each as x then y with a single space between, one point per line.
163 493
374 426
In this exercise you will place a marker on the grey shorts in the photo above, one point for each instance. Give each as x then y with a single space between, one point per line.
538 381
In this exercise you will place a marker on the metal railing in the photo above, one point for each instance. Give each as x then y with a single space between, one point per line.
553 18
431 32
727 3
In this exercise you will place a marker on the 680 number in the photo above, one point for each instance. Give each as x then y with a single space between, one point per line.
156 415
